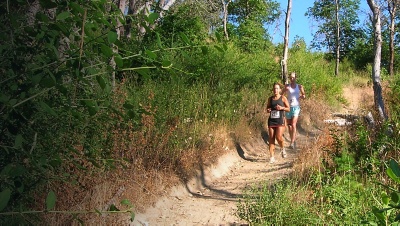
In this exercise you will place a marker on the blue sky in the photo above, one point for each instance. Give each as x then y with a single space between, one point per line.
300 25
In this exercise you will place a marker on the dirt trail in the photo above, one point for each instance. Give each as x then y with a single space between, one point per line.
211 198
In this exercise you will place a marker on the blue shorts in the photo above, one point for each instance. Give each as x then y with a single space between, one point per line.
294 111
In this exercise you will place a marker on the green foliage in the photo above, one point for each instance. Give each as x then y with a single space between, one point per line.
248 18
64 114
276 205
55 96
388 213
325 13
182 22
334 200
346 199
345 162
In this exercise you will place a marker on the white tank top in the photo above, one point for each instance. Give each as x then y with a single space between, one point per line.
293 95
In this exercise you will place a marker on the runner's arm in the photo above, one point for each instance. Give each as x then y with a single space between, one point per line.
286 103
269 105
303 94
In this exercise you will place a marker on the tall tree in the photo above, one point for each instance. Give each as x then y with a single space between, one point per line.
392 8
376 76
286 43
249 18
331 14
225 5
337 38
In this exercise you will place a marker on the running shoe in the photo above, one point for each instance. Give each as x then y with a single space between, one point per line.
272 160
283 153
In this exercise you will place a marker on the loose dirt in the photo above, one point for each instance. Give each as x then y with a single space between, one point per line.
211 198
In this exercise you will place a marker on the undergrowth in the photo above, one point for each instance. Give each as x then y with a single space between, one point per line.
347 176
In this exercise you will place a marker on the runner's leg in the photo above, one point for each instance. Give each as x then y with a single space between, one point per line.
271 140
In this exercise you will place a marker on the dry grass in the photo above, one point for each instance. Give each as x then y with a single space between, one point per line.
149 174
142 181
312 122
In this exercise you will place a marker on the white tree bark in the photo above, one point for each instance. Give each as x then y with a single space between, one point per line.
225 19
376 75
337 2
392 8
286 44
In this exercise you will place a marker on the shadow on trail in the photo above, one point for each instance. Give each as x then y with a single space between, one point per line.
240 152
218 194
225 194
265 136
278 167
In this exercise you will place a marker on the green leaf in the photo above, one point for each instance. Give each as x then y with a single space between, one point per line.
12 102
47 108
119 61
62 89
218 35
395 167
6 170
392 175
92 106
5 196
50 200
397 219
18 141
127 203
128 106
151 54
219 49
144 72
76 7
152 17
385 199
4 98
98 211
158 40
17 171
204 50
48 4
395 196
132 216
36 79
48 82
184 38
378 214
112 36
101 81
63 15
92 111
106 50
166 64
113 208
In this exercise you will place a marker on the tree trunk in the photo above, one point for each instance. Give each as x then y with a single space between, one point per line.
392 8
376 76
286 44
337 39
225 20
119 30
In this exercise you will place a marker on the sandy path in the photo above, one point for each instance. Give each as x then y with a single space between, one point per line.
211 199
